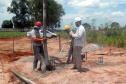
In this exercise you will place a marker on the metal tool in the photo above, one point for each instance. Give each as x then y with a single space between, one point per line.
100 61
62 47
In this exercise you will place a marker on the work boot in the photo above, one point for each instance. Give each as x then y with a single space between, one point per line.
79 69
74 67
67 62
39 69
35 70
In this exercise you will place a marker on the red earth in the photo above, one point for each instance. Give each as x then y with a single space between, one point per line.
112 72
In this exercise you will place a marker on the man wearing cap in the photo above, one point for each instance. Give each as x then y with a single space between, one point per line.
37 44
79 43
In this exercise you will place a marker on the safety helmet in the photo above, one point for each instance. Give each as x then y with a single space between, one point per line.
38 24
67 27
77 19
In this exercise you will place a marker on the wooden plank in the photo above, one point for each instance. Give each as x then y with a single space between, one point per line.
118 53
101 53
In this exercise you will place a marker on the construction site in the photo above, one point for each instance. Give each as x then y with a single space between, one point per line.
101 65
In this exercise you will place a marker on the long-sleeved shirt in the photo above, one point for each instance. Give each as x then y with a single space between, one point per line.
80 37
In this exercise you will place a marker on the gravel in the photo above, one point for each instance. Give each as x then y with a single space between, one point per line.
29 59
92 47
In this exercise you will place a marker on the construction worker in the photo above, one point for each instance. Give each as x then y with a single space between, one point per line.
67 29
79 43
37 44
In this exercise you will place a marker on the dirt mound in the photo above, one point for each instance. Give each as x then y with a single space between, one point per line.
14 56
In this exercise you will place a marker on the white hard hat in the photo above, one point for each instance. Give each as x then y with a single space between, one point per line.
77 19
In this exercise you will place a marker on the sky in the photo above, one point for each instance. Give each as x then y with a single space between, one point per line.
101 10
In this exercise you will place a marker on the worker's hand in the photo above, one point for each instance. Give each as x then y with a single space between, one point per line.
71 33
65 42
69 41
44 39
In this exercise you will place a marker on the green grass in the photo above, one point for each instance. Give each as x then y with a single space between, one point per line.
114 39
11 34
63 34
102 38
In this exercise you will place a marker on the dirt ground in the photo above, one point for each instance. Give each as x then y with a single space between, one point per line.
112 72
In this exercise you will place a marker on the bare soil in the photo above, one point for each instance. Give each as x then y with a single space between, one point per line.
112 72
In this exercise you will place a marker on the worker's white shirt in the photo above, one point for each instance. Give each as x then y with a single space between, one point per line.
80 37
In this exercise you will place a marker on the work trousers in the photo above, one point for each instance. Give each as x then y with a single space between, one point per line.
77 56
37 49
70 53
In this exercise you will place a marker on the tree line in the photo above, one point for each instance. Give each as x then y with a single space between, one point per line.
27 12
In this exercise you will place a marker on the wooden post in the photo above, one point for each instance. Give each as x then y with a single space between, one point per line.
44 33
13 44
31 45
59 43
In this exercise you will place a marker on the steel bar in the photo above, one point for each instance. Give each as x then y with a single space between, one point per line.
22 78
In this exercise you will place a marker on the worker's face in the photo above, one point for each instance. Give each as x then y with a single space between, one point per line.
77 24
67 31
39 28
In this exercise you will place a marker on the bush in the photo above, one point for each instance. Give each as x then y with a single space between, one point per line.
109 38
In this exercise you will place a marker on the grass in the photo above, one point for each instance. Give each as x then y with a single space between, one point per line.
114 39
102 38
63 34
99 37
11 34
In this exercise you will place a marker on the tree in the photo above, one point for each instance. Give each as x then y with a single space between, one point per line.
87 26
7 24
115 29
93 27
20 9
54 12
115 25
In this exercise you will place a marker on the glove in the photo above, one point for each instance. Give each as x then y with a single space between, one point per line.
65 42
44 39
69 41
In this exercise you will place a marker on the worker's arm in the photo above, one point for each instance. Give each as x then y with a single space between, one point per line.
37 40
41 37
34 37
78 34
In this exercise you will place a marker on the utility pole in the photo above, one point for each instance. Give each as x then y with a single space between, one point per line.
47 62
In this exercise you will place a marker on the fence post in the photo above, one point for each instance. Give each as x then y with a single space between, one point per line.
31 45
13 44
59 43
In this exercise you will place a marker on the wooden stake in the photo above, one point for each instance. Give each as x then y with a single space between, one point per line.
13 44
59 43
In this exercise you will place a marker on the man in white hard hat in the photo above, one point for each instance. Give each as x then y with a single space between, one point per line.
79 43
